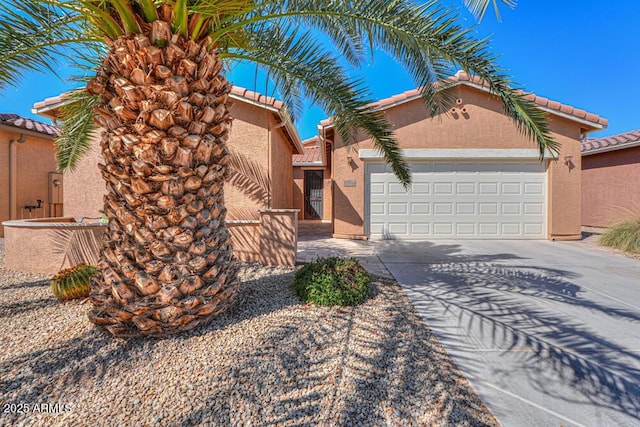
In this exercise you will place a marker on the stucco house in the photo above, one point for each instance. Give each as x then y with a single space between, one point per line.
474 175
610 179
30 186
262 142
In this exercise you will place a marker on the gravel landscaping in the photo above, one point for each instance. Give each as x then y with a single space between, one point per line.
270 361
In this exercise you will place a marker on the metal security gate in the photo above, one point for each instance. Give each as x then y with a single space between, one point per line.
313 194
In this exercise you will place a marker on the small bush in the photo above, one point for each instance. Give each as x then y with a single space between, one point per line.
332 281
624 236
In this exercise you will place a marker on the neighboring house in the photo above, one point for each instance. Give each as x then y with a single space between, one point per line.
262 142
474 175
312 181
610 179
30 186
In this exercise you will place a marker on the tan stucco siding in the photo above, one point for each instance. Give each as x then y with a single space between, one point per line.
247 189
563 183
482 126
4 180
281 170
84 186
34 160
298 191
610 187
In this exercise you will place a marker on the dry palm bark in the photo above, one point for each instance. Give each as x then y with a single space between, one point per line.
167 264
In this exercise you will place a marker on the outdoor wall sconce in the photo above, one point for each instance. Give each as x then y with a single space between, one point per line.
56 182
349 159
568 160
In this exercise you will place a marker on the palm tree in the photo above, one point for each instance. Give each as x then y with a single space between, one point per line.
161 96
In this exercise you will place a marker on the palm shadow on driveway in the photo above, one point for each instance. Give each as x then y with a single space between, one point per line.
532 316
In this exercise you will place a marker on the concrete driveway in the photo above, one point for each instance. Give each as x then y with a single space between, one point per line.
547 332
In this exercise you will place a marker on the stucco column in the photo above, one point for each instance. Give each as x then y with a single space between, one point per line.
13 171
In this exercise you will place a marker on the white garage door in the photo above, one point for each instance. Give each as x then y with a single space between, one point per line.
481 200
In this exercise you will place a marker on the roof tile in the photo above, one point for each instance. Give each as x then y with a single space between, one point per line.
28 124
462 76
631 138
312 154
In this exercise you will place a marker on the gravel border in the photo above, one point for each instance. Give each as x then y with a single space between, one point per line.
270 361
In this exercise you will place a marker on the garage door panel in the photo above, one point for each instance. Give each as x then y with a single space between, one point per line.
511 188
377 188
396 188
441 208
533 188
420 208
421 229
466 229
421 188
445 188
459 199
442 229
534 208
464 188
397 208
511 209
488 188
465 208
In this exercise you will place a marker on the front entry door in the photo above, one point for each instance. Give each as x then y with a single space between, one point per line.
313 194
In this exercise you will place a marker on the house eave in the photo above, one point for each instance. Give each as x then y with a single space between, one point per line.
611 148
308 164
591 126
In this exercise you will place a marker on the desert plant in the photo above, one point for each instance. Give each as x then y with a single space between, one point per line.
624 236
73 282
332 281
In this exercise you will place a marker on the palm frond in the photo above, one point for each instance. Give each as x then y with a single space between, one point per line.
34 37
77 128
424 38
77 246
479 7
299 66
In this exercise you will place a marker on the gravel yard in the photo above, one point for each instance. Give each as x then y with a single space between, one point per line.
270 361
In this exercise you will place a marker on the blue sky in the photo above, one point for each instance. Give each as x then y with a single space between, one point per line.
581 53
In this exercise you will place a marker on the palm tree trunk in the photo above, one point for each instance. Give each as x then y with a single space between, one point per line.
166 263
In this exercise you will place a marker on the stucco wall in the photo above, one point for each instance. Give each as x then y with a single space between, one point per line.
483 126
281 171
248 187
610 187
35 159
270 240
84 186
4 180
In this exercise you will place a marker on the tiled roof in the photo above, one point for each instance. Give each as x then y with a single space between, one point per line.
315 140
463 78
256 97
610 143
27 124
48 102
310 155
238 91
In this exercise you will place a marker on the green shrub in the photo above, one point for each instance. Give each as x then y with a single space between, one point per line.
624 236
73 282
332 281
